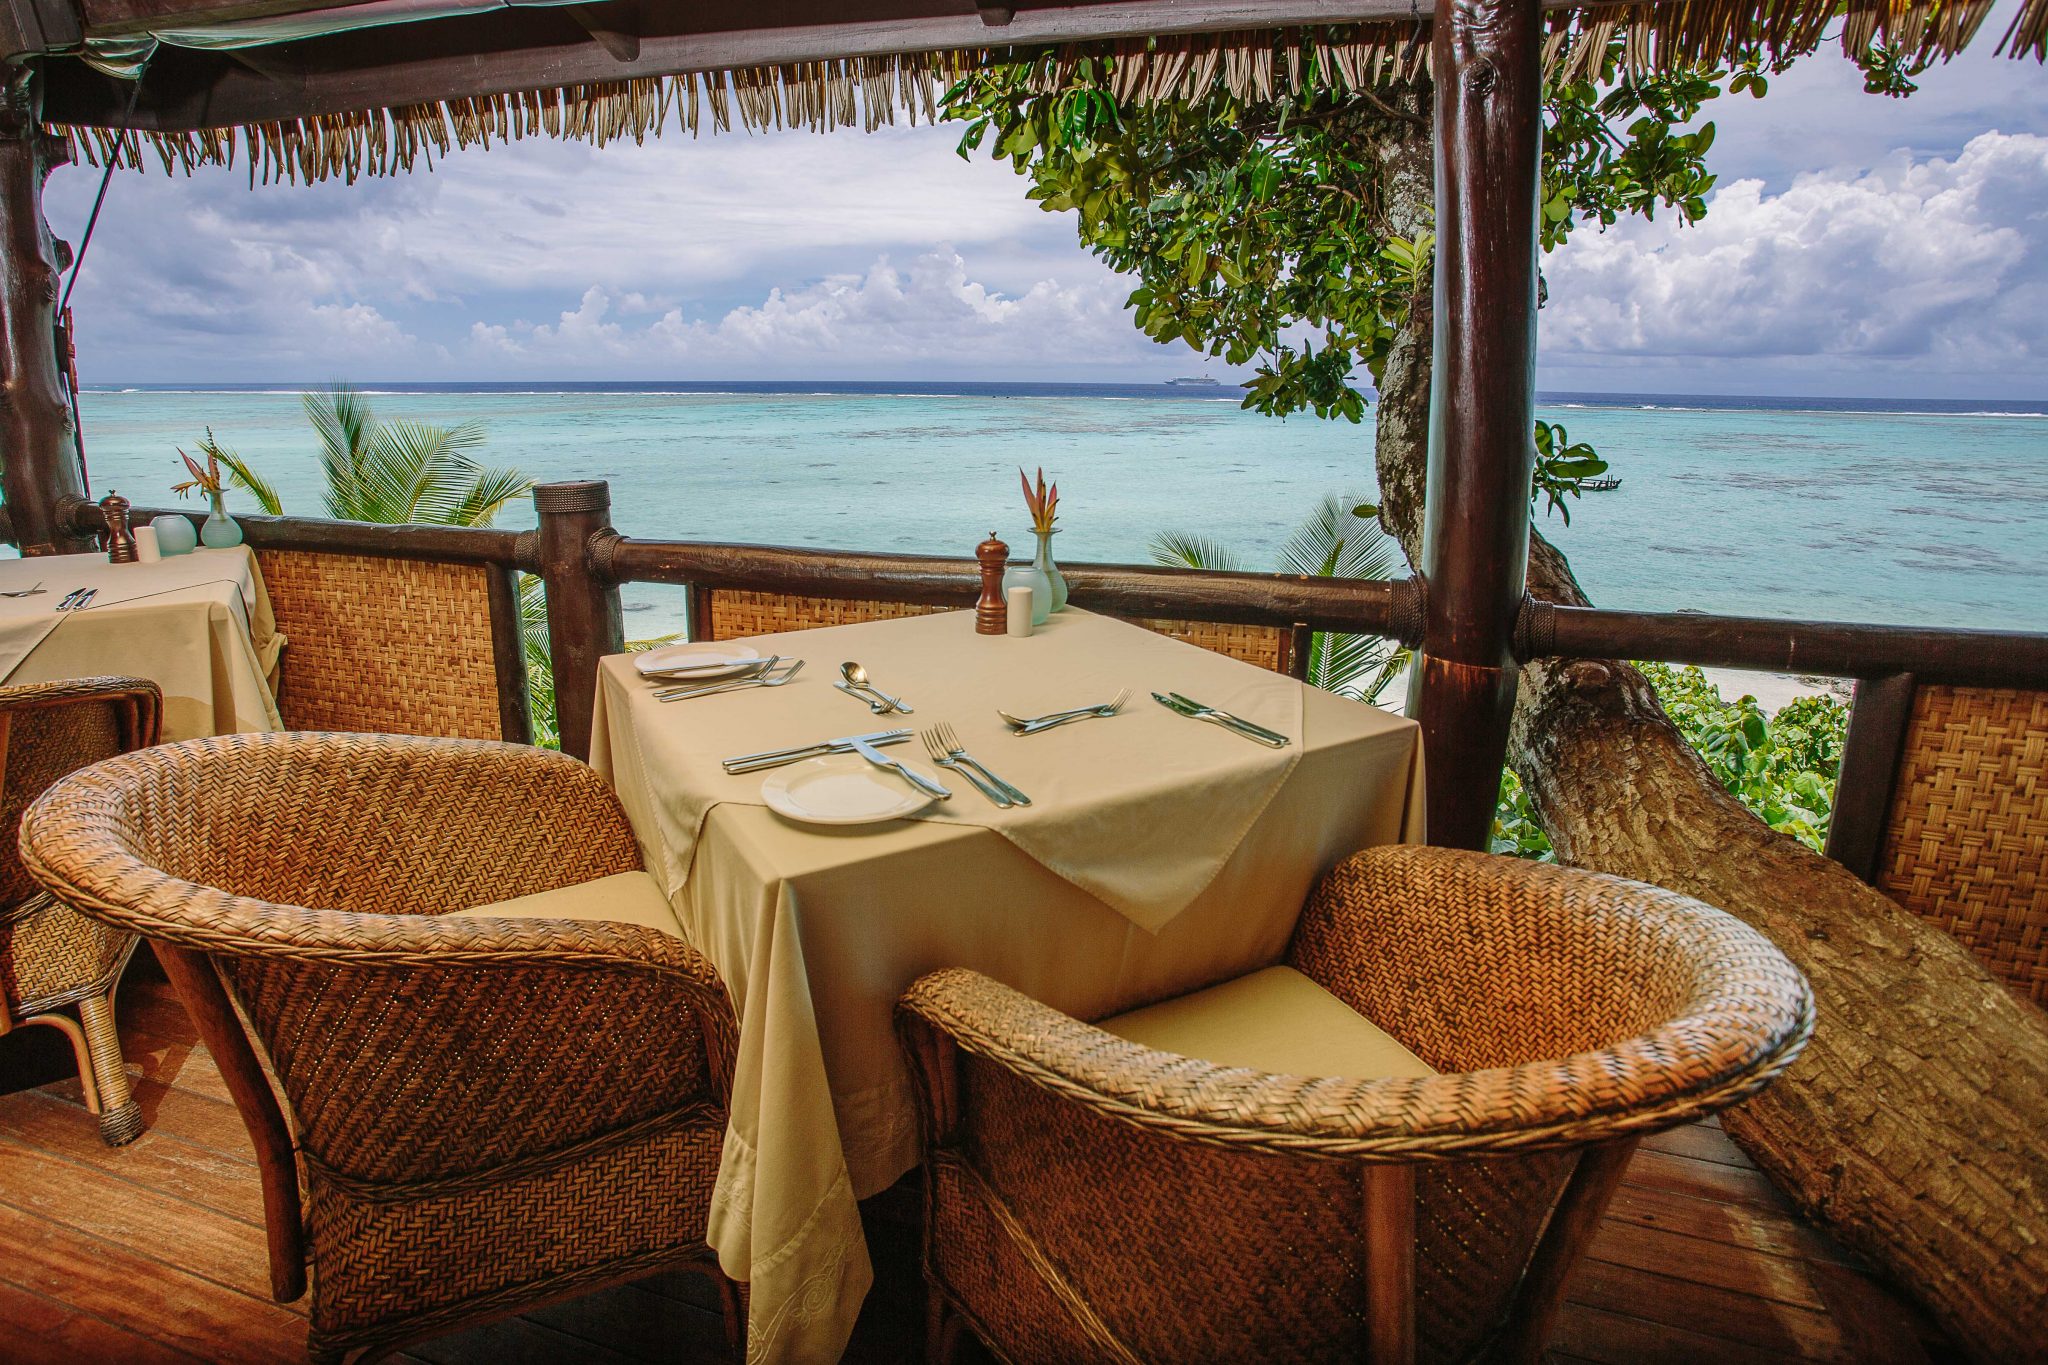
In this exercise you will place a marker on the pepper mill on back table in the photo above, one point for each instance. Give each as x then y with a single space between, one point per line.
991 612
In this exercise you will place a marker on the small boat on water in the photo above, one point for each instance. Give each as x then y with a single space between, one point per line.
1606 483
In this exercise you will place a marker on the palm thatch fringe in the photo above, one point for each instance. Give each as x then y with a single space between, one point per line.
868 91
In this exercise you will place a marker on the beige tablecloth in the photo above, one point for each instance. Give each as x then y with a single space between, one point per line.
817 931
197 625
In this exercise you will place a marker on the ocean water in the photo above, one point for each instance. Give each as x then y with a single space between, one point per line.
1892 512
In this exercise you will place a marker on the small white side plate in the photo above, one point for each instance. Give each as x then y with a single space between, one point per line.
840 789
705 660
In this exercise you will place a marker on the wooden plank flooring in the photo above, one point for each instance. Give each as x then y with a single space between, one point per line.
154 1252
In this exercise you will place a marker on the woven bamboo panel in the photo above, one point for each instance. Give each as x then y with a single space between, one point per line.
1968 835
738 614
392 646
1255 645
735 615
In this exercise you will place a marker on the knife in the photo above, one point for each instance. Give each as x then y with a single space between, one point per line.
69 598
1174 701
775 758
903 770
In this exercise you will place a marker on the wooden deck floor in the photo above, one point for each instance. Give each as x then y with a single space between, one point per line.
155 1251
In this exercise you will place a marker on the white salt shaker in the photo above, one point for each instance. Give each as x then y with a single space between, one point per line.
147 550
1018 598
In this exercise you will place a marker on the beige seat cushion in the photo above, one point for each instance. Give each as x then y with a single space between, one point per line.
624 898
1274 1020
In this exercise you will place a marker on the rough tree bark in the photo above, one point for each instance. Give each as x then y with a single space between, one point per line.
35 420
1913 1126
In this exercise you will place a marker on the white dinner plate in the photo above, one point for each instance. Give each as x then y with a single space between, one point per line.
706 660
840 789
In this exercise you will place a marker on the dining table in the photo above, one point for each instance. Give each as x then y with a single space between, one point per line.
198 625
1159 853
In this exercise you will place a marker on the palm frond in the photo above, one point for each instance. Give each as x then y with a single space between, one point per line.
1182 550
488 492
340 418
240 475
1336 543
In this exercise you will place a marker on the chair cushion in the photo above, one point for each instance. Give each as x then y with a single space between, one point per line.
1274 1020
624 898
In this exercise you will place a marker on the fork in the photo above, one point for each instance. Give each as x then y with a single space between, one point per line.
942 755
25 592
942 741
731 684
1033 726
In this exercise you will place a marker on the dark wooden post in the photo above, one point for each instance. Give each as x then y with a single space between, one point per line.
38 461
1878 720
1488 69
584 619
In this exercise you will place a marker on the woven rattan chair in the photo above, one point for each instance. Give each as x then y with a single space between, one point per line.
491 1112
52 959
1091 1199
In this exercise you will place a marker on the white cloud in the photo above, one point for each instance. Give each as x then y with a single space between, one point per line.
1936 265
887 319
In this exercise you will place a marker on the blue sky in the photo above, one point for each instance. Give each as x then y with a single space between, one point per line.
1855 246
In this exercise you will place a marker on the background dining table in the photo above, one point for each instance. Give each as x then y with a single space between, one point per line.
198 625
1159 855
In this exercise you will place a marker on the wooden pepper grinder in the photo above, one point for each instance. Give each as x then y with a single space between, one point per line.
118 537
991 613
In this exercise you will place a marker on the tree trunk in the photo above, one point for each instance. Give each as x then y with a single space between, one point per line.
1912 1127
36 442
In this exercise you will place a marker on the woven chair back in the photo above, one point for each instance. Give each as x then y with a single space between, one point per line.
395 646
50 729
1093 1199
1966 845
735 614
316 870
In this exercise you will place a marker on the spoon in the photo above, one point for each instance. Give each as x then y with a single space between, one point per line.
856 676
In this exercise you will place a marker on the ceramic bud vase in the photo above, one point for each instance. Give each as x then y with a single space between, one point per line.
1053 577
221 530
1031 576
175 534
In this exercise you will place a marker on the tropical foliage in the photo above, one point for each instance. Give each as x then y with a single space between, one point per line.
398 472
1335 542
1261 232
211 481
1781 767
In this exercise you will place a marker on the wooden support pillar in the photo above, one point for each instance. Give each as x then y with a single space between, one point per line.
1878 720
1486 60
38 460
584 618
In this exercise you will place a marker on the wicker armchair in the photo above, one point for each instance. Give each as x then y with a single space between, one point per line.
491 1112
51 957
1091 1199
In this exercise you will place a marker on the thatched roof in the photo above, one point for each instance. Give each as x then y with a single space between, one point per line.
871 90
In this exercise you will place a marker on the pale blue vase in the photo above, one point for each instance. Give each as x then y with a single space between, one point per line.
221 531
175 534
1030 575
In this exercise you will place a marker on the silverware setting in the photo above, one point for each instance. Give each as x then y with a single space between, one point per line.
854 683
775 758
685 673
78 599
942 743
1194 710
758 679
25 592
900 768
1053 719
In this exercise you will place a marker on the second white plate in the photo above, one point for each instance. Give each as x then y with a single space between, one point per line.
705 660
840 789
